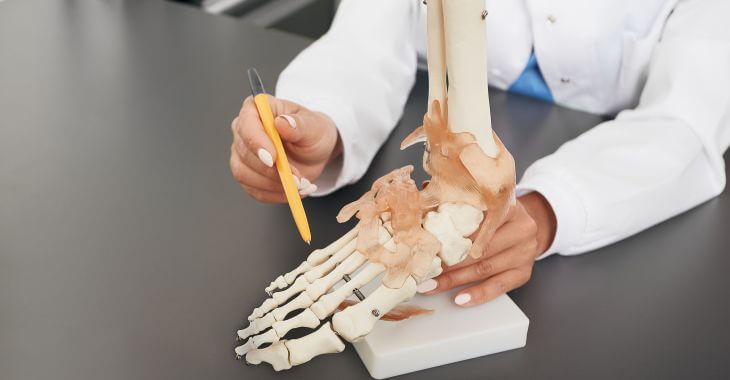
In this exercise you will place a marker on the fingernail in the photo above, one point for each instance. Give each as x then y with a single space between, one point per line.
289 120
462 298
305 184
427 286
308 190
265 157
297 182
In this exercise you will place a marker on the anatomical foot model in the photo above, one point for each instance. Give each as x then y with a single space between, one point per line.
404 233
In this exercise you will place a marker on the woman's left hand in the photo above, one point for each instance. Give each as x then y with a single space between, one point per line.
507 263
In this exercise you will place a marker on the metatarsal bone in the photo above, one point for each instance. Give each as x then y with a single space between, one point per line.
277 355
299 285
318 256
303 319
324 268
322 341
300 302
319 287
257 325
358 320
328 303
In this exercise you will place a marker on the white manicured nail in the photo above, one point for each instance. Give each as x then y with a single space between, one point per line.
297 182
427 286
265 157
462 298
308 190
289 120
305 184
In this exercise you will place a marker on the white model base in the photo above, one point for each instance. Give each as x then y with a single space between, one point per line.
448 335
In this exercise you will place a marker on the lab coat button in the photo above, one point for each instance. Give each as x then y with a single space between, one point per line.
564 80
551 19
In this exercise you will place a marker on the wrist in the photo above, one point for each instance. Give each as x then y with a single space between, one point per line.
337 148
542 213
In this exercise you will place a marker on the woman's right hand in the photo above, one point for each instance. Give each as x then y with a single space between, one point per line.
310 140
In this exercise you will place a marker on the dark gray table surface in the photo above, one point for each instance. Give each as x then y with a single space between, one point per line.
128 252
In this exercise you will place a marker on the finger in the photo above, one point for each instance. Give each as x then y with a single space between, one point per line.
251 178
270 197
509 235
493 287
482 269
251 132
265 196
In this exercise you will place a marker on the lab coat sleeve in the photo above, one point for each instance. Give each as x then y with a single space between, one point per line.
360 74
657 160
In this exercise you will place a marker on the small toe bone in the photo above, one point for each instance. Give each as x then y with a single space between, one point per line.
298 286
303 319
300 302
322 341
277 355
268 305
358 320
256 326
257 341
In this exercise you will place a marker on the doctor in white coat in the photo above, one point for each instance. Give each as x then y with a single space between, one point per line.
661 67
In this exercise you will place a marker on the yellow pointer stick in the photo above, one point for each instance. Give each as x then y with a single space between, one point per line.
282 163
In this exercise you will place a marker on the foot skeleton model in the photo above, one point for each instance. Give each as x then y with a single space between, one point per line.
403 233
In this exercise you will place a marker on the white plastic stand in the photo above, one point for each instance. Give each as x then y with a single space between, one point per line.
450 334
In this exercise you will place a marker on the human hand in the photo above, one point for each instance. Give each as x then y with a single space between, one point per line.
507 264
310 139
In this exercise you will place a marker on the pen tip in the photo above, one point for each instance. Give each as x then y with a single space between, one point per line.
308 242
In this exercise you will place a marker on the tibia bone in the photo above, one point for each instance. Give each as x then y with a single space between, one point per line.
256 341
277 355
328 303
358 320
465 35
436 54
300 302
304 319
256 326
299 285
322 341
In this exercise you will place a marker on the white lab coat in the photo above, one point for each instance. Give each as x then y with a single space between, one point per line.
666 63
